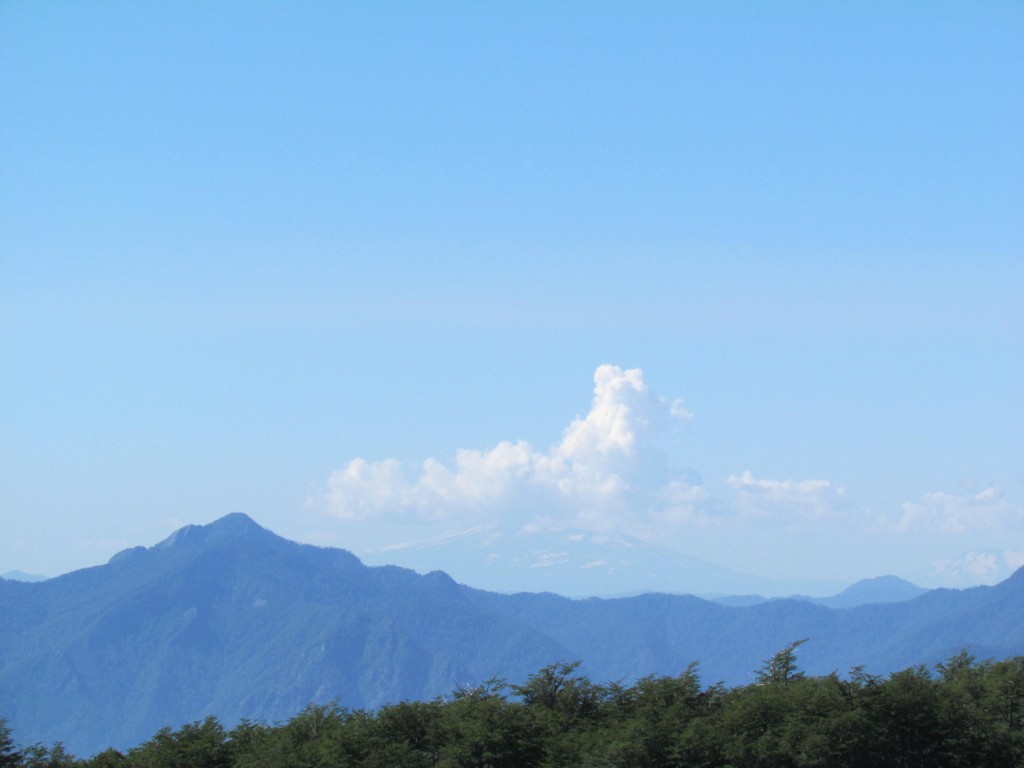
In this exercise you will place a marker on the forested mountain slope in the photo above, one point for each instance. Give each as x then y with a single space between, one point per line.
663 632
230 619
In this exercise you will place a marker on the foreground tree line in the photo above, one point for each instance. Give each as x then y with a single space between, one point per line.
963 713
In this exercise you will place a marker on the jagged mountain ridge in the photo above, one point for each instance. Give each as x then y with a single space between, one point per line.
230 619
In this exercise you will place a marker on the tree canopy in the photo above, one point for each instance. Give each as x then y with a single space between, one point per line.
964 713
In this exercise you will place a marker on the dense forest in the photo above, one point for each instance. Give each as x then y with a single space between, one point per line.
964 713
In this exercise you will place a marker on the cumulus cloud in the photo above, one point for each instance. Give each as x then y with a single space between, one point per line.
604 475
680 502
948 513
978 567
600 470
973 566
803 499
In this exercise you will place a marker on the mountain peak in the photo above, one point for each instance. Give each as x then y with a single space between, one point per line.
879 583
237 521
880 589
233 526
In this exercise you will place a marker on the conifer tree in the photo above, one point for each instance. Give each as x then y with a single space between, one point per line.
9 756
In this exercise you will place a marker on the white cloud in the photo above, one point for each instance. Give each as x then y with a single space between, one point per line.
600 471
604 476
484 533
978 567
974 566
1014 559
800 499
948 513
680 503
549 559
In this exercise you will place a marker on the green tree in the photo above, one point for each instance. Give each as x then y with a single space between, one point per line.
247 742
39 756
1004 693
202 744
907 714
567 708
555 689
1003 704
9 756
781 669
412 733
823 726
314 738
108 758
751 729
660 709
487 731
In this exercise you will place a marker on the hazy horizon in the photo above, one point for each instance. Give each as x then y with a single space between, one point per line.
510 290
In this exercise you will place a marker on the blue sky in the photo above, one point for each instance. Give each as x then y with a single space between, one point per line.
244 245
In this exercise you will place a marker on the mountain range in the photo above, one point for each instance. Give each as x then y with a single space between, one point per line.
880 589
229 619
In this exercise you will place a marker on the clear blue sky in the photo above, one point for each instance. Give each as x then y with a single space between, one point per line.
245 244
